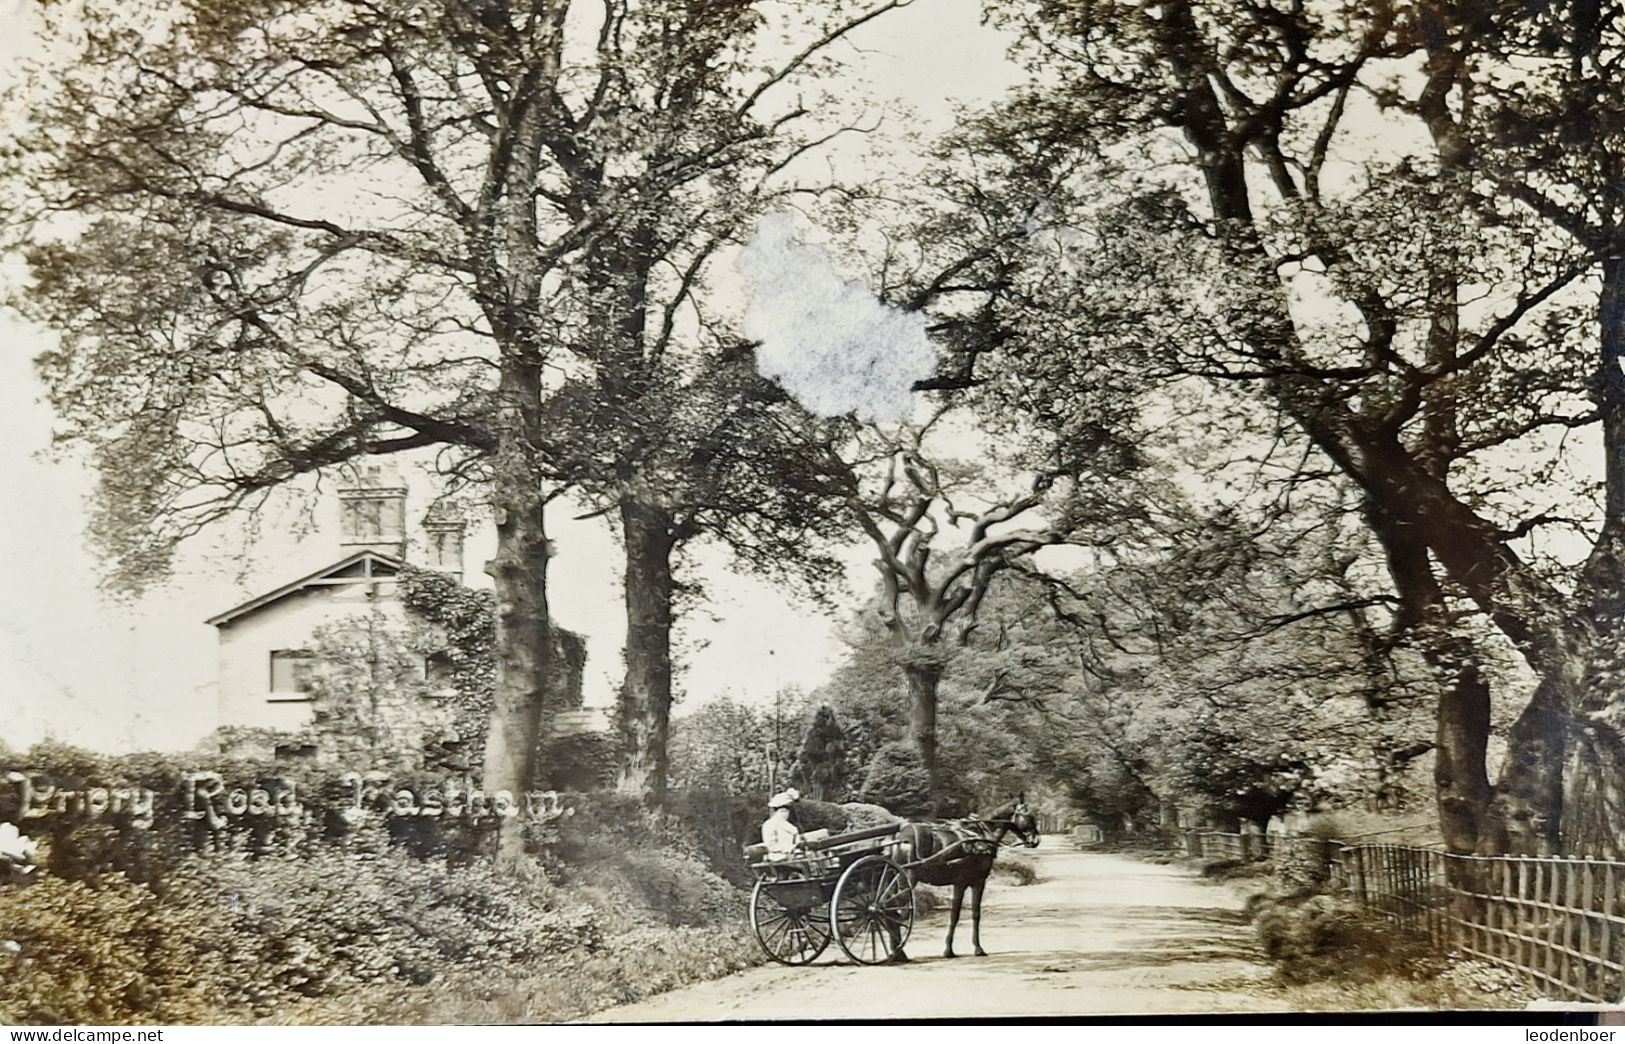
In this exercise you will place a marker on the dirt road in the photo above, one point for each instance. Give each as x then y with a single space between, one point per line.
1097 934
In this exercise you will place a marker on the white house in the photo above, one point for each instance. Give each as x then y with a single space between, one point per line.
264 643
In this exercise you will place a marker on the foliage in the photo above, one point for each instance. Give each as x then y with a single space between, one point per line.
896 779
642 961
355 927
464 618
101 952
335 922
372 704
1329 955
729 745
1413 342
580 761
302 336
820 769
1199 678
1237 771
82 845
233 934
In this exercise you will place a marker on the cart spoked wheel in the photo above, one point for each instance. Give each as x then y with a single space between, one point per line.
787 935
872 910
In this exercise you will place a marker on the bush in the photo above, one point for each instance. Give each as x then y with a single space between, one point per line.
583 761
678 887
233 934
719 824
896 779
643 962
84 845
860 816
1322 937
332 922
667 861
325 921
100 952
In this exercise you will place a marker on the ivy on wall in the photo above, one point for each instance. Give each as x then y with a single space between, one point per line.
467 619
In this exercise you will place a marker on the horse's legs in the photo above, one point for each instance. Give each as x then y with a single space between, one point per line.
897 954
953 918
976 916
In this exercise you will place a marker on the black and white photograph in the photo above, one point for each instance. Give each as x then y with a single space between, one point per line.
536 512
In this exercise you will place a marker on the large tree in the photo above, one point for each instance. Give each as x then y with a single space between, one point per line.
1452 328
276 236
943 530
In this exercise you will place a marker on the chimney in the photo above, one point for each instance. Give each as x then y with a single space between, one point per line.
443 528
372 508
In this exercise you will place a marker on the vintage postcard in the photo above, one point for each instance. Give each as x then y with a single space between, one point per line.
650 511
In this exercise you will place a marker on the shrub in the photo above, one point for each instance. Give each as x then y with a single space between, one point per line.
100 952
820 767
1324 937
325 921
718 824
643 962
860 816
82 845
678 887
896 779
583 761
231 933
331 922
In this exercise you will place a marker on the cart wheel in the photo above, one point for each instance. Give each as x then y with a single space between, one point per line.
787 936
872 911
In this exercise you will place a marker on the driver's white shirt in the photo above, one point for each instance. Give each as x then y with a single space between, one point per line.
780 836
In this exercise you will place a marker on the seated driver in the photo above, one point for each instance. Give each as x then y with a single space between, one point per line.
779 834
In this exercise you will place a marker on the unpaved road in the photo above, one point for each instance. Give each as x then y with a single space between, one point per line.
1097 934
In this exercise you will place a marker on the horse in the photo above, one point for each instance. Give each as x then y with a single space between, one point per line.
960 853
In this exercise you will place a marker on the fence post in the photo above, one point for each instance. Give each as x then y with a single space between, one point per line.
1252 842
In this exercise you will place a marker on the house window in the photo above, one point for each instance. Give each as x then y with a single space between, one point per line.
290 673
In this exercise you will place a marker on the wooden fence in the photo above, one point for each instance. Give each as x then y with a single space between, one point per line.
1558 922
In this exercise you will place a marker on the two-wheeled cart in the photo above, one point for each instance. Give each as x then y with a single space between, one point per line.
848 887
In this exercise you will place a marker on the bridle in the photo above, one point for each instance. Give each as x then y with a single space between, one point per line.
1011 823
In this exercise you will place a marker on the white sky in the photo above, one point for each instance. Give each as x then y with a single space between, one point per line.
140 676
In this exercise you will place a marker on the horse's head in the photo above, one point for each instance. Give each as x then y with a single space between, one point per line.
1016 818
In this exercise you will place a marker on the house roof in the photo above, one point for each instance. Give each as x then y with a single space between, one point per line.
360 567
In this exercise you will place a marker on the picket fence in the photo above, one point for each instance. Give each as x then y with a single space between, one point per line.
1557 922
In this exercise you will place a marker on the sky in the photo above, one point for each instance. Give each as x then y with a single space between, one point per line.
118 675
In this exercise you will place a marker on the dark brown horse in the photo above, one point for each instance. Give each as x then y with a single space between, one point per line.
960 853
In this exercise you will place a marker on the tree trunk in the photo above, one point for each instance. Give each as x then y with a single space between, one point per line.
519 572
1529 796
923 680
1462 732
1462 721
646 692
1571 725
